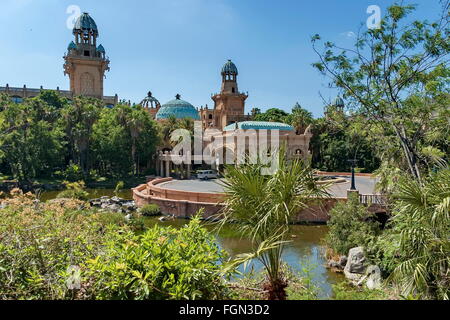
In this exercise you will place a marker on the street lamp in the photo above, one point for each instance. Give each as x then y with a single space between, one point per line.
353 163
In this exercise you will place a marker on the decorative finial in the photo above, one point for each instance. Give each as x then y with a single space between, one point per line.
178 96
149 93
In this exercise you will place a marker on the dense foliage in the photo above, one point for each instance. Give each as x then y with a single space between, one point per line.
41 242
65 250
337 137
416 250
51 137
351 225
162 263
397 78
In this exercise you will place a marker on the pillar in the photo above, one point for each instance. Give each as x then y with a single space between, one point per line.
161 167
167 168
188 173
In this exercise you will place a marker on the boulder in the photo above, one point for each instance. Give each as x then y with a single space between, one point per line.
374 279
355 268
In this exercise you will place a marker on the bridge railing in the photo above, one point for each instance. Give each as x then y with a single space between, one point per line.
373 199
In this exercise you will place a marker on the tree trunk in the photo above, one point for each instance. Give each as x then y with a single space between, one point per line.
409 153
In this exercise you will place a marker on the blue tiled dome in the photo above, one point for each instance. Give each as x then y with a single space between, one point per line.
259 125
178 108
85 23
230 68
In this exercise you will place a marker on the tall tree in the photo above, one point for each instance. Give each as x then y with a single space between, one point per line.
388 66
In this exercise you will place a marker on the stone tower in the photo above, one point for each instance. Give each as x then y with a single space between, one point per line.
85 63
229 104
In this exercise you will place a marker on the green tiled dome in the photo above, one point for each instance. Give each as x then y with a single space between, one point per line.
72 45
85 23
230 68
178 108
259 125
101 49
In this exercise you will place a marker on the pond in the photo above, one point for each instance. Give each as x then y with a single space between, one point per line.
306 249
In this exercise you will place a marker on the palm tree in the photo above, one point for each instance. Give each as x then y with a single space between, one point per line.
264 206
135 124
300 118
422 221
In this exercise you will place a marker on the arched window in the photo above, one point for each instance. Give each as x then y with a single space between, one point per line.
210 117
298 152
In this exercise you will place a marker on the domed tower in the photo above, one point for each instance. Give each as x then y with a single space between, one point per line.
229 104
151 104
85 63
339 104
229 78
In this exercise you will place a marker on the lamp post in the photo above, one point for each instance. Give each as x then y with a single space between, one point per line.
353 163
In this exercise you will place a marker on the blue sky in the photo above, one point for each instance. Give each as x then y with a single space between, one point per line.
179 46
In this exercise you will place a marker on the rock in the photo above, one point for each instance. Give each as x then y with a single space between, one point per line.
355 268
373 278
333 264
116 200
129 206
356 261
129 217
166 218
343 261
114 204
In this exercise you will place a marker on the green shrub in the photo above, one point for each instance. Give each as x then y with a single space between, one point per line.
73 173
74 190
162 263
119 186
346 291
351 225
40 243
149 210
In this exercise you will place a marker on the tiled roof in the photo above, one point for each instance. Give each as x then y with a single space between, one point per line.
230 67
85 22
259 125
